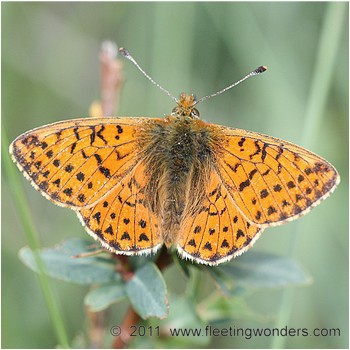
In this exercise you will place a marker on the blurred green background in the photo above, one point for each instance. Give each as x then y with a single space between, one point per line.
50 72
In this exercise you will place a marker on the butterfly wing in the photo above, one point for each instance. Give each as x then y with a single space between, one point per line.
75 163
218 231
121 220
272 181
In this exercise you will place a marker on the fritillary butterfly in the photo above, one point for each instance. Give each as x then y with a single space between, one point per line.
139 183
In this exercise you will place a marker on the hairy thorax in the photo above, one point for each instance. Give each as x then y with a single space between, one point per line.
179 153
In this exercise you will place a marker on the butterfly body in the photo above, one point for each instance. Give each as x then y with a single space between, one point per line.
179 153
139 183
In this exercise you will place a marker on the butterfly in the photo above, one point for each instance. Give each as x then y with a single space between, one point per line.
138 183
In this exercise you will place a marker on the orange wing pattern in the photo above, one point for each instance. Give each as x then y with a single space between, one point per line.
218 231
98 167
77 162
121 220
273 181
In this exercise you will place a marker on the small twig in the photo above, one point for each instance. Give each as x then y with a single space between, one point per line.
131 318
164 259
88 254
123 266
112 78
111 82
97 327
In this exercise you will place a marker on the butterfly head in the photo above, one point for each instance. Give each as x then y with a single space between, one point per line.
185 107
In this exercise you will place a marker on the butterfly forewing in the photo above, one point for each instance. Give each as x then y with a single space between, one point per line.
270 180
75 163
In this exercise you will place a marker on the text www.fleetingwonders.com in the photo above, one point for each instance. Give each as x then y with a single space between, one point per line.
210 331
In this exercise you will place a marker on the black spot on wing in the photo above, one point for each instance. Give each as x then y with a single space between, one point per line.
126 236
192 243
244 184
100 135
143 237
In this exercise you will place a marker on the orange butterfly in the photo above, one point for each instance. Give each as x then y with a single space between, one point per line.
139 183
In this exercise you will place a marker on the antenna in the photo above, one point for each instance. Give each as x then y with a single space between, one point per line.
257 71
130 58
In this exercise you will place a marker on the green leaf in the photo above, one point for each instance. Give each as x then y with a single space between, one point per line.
181 306
147 292
226 283
218 309
259 270
138 261
178 330
183 265
60 263
103 296
183 317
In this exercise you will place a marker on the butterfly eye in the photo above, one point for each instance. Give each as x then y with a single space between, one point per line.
195 113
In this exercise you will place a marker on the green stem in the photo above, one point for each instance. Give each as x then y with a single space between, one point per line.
33 242
324 68
320 86
193 285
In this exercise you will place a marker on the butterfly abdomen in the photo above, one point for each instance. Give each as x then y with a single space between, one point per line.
178 155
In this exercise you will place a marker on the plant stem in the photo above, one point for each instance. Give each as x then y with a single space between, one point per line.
164 259
97 327
34 244
111 78
325 61
131 318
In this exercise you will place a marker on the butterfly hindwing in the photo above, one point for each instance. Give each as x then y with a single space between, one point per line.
273 181
121 220
218 231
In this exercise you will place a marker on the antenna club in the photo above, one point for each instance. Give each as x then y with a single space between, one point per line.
125 52
260 69
257 71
